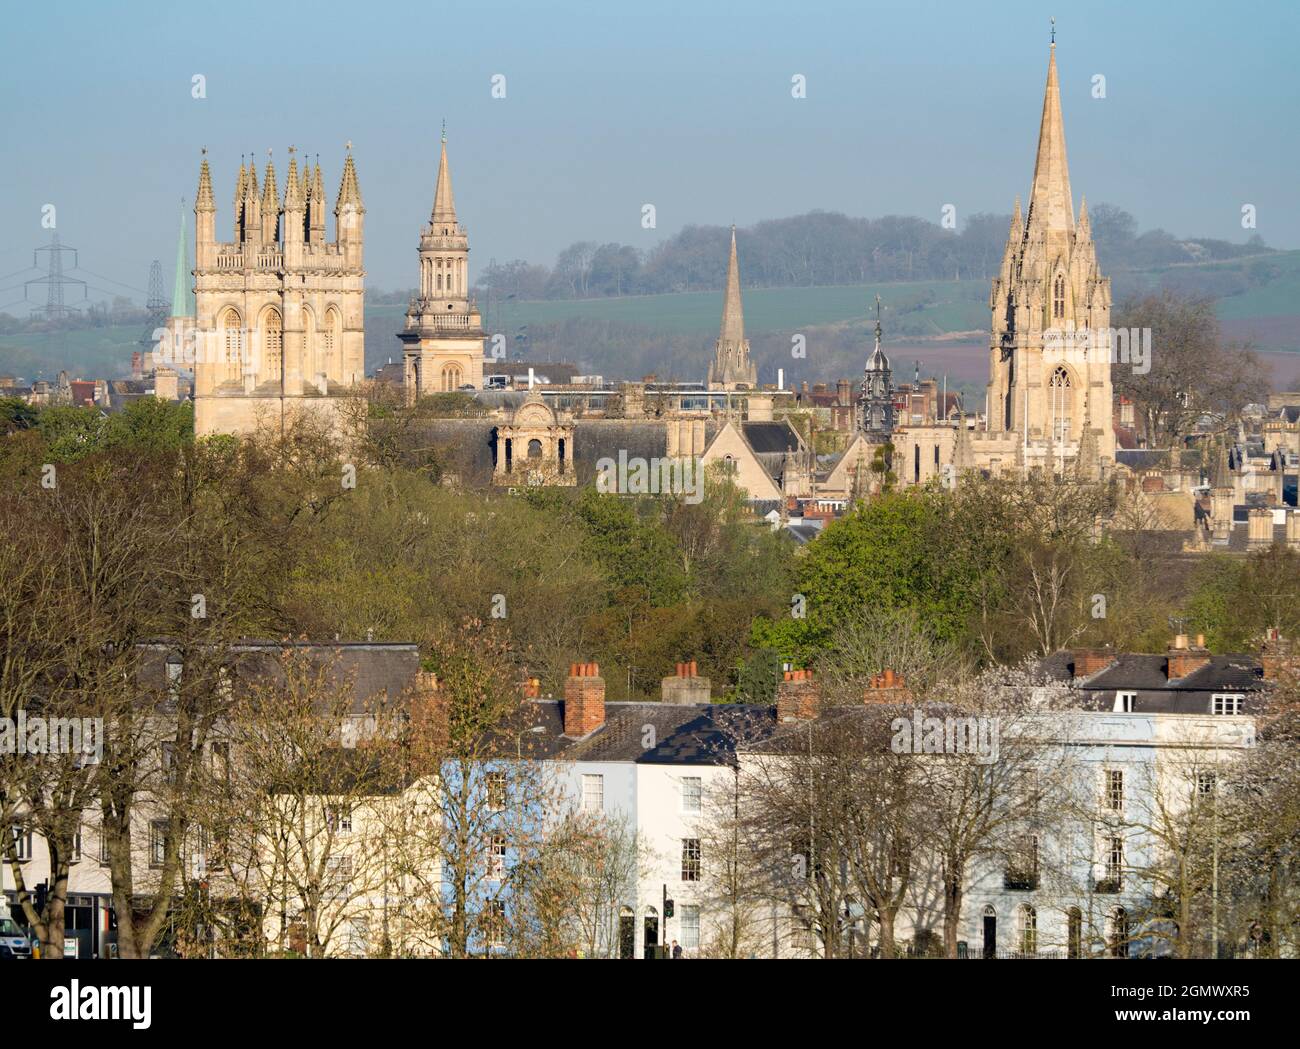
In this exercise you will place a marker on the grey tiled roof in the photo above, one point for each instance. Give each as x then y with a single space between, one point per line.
1147 676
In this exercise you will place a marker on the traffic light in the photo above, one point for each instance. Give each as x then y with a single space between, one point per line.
40 893
668 908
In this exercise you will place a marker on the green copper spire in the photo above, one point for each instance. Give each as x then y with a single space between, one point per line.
182 294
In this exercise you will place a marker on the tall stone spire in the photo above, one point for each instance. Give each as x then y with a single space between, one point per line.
444 204
182 298
733 313
315 205
731 367
1051 208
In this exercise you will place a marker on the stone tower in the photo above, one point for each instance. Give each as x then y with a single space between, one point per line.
731 368
278 309
442 343
1049 361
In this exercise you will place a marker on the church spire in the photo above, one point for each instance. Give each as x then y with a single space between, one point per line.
731 368
1051 207
182 298
204 200
733 314
444 204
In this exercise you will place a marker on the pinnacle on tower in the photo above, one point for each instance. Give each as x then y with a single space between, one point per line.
270 194
1051 208
444 204
293 186
204 201
349 189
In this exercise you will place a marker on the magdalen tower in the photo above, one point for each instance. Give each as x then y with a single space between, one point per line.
1049 366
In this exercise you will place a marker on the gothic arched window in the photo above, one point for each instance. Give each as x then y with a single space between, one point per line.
1058 297
233 337
451 374
273 345
1060 404
331 342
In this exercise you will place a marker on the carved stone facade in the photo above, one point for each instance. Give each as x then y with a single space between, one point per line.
535 446
1050 352
279 310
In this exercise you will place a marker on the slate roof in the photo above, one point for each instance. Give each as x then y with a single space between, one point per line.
770 438
682 735
1147 675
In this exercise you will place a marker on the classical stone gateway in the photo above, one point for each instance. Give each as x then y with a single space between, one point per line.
442 343
535 446
278 309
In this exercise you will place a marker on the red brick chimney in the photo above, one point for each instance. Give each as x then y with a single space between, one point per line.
1088 661
797 696
887 687
1186 658
584 700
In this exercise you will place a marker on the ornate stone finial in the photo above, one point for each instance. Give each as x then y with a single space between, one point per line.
878 328
292 151
204 150
348 145
269 152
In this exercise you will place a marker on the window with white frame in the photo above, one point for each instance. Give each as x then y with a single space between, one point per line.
593 793
175 668
690 927
103 848
338 877
158 842
76 847
495 920
339 817
1115 860
690 859
22 843
1028 930
495 788
1225 704
692 793
1207 784
497 857
1124 702
1114 796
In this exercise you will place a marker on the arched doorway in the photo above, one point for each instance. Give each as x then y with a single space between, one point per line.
990 932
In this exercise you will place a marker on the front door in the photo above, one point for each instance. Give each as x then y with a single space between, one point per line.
990 936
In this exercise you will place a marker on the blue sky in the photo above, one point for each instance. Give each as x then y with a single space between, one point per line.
611 105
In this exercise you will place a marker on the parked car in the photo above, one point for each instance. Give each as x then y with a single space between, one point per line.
13 941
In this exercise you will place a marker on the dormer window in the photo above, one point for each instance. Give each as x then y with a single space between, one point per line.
1124 702
1225 704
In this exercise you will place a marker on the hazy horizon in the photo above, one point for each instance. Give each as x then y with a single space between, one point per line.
688 108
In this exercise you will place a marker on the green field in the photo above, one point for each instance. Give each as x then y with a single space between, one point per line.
913 309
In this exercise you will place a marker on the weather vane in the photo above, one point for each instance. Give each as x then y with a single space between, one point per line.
1053 29
444 129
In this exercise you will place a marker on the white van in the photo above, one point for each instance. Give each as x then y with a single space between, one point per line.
13 941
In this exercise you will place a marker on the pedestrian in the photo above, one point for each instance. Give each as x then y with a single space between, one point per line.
677 949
